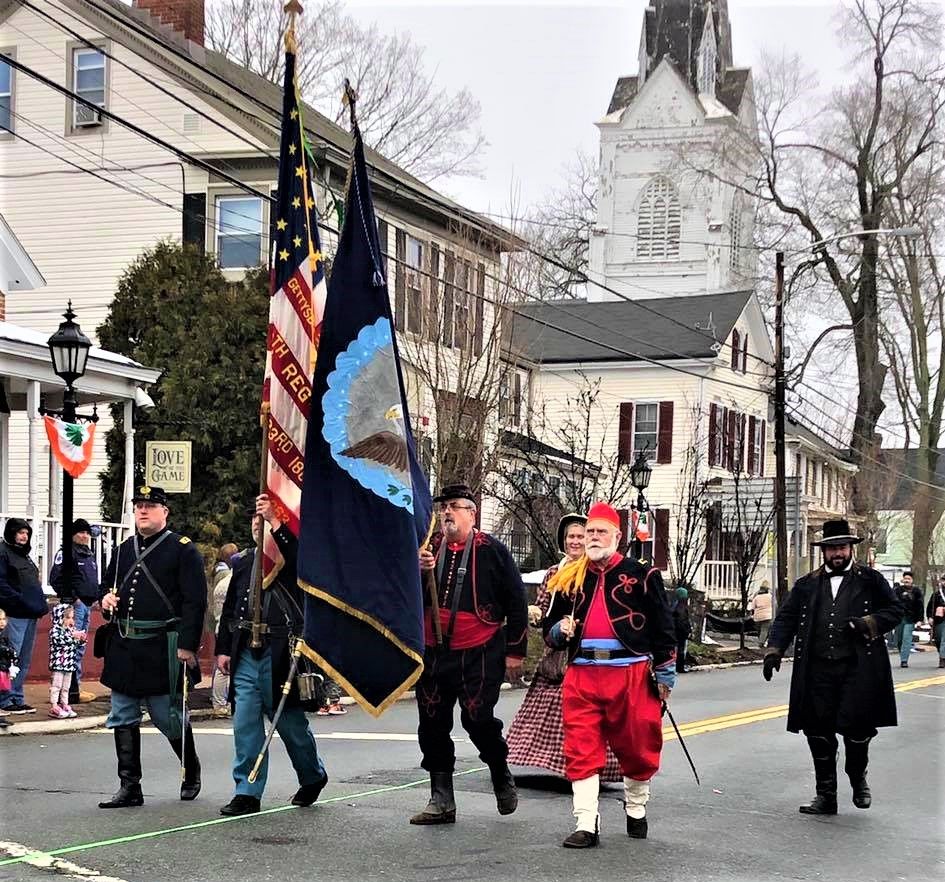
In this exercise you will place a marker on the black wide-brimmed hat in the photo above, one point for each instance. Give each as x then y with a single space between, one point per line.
454 491
564 523
148 493
837 533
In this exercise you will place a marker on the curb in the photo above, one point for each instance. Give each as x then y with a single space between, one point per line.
725 665
63 727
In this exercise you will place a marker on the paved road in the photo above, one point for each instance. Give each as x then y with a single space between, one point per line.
742 824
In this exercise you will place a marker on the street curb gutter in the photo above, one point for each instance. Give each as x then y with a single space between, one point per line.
80 724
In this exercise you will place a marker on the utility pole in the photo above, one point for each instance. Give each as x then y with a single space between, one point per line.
780 466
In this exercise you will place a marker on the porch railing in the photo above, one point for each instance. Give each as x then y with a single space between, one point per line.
47 540
720 580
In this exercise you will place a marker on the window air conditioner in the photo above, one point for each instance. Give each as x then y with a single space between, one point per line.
85 116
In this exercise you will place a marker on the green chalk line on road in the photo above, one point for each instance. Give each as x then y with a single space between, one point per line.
121 840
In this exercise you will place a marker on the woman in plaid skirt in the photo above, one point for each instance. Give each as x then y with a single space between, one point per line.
536 735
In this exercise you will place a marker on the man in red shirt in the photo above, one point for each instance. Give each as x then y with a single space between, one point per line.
612 616
482 636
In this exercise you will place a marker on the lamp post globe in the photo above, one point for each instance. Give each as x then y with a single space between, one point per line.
640 473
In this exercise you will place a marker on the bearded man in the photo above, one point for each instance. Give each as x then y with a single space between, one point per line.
841 682
611 614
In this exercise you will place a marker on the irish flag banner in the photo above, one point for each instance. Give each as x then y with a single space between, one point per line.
71 443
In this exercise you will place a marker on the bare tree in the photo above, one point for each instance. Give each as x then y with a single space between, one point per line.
688 544
403 114
837 166
557 463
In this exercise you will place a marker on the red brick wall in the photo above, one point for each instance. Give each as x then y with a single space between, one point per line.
186 16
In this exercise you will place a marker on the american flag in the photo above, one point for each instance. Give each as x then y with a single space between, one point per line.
295 316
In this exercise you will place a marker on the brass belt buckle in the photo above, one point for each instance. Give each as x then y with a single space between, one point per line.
601 654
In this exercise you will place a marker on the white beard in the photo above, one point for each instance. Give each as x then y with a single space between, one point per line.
599 554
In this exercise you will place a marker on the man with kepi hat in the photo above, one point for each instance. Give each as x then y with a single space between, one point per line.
475 635
610 613
155 593
841 682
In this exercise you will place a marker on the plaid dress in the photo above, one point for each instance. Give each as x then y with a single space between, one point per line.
536 735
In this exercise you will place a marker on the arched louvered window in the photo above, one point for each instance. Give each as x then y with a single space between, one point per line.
658 222
735 261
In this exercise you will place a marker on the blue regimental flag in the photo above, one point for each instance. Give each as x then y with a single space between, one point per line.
366 506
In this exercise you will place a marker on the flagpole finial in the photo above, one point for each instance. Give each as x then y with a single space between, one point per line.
293 9
351 99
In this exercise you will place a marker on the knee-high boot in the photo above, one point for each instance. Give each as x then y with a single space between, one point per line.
823 749
441 809
128 750
857 758
187 750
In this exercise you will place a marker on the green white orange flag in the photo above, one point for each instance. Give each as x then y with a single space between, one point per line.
71 443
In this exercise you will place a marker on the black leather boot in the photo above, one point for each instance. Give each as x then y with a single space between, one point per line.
441 809
857 759
190 785
503 785
824 752
128 750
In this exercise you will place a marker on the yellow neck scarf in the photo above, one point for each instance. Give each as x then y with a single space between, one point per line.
570 576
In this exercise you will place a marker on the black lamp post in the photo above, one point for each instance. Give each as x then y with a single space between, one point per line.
640 473
69 349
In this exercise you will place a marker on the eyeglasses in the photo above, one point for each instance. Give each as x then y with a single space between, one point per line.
453 506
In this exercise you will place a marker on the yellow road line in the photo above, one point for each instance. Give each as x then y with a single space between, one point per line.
921 684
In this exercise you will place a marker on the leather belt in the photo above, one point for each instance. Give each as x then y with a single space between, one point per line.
604 654
267 630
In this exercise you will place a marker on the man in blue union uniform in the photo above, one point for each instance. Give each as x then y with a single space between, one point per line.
156 592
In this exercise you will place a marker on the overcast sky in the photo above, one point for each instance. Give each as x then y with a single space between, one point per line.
544 71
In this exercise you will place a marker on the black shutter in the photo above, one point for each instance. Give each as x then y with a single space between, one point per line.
449 268
400 281
194 230
432 325
713 429
736 349
762 430
478 308
752 428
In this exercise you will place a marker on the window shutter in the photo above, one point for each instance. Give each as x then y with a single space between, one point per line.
761 429
449 268
664 437
661 538
745 355
478 307
382 231
432 325
516 398
624 514
730 440
740 451
400 285
713 430
736 349
625 434
752 428
194 230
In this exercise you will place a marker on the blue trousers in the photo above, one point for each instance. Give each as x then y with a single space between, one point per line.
126 711
905 640
253 700
22 634
83 612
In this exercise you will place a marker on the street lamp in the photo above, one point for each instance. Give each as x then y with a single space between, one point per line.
69 349
780 394
640 473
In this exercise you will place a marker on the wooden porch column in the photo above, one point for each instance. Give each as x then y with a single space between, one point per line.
35 437
4 457
128 421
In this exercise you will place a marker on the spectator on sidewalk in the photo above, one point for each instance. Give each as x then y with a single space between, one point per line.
761 613
910 596
64 642
82 593
935 612
219 583
682 627
22 598
8 664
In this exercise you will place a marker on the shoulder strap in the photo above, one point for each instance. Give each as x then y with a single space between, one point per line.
139 562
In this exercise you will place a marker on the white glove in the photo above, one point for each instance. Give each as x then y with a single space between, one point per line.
14 670
534 615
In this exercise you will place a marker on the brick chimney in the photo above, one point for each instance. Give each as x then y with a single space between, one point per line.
185 16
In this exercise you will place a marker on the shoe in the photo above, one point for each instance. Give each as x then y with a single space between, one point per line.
308 793
18 707
322 711
5 724
69 711
819 805
337 709
190 785
441 809
503 785
58 713
128 750
824 753
903 664
220 713
636 827
240 805
581 839
862 797
941 662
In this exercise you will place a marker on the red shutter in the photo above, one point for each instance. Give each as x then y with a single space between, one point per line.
477 308
664 437
661 538
713 430
400 283
761 465
625 434
731 418
752 428
745 355
736 349
624 543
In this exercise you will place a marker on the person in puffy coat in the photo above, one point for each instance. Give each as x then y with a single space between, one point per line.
22 599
